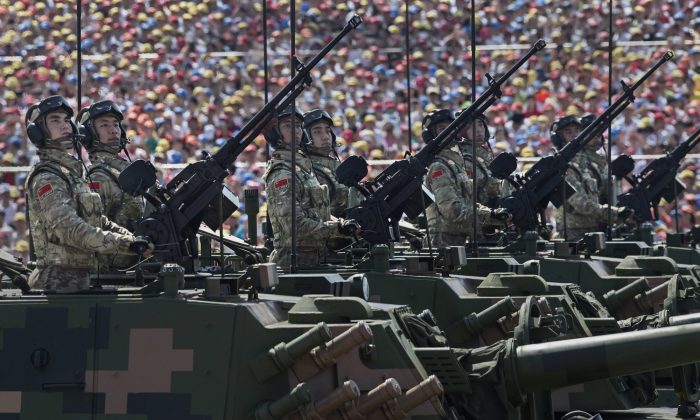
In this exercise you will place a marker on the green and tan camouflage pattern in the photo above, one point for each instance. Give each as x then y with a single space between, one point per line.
489 191
450 217
584 211
67 225
324 168
120 207
155 358
314 223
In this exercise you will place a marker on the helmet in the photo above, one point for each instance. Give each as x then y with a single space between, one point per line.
586 120
557 140
86 123
484 120
35 119
433 119
312 117
273 135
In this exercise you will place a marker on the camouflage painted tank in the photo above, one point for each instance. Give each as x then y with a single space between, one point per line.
208 354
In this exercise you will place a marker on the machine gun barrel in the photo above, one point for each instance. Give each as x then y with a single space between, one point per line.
227 154
197 193
543 183
600 124
656 181
397 189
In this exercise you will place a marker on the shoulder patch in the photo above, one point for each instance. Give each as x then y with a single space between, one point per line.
94 186
281 183
45 189
437 174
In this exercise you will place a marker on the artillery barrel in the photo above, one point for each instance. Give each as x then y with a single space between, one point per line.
688 319
567 362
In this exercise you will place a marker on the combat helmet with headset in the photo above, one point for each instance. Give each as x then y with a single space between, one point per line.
35 119
86 120
557 126
274 136
311 118
431 120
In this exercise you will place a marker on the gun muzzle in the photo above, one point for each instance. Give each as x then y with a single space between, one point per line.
284 355
473 324
324 408
278 409
323 356
376 398
616 300
424 391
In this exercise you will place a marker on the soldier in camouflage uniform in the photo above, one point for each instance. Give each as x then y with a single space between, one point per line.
450 217
104 137
314 222
66 222
318 129
597 162
584 211
489 187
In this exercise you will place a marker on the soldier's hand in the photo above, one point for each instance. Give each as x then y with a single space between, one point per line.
348 227
624 213
142 246
501 214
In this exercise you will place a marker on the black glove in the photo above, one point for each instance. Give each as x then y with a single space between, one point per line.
500 214
140 245
624 212
348 227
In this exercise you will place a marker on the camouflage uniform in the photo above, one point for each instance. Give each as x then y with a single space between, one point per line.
67 225
313 217
450 217
120 207
584 213
489 187
324 168
599 167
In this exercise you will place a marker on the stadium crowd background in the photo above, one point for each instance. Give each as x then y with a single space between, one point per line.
189 73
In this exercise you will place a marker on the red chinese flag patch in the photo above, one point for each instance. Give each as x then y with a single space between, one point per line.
94 186
281 183
43 190
437 174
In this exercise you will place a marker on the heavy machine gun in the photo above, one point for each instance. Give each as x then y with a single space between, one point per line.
545 181
656 181
197 194
397 190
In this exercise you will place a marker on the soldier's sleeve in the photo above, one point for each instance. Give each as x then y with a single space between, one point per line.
342 194
113 227
55 208
111 196
483 213
278 187
584 203
450 203
109 192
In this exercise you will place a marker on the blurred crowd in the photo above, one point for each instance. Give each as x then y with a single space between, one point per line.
190 73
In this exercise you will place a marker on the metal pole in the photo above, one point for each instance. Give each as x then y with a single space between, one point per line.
410 131
79 33
408 77
265 66
608 156
475 241
292 29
